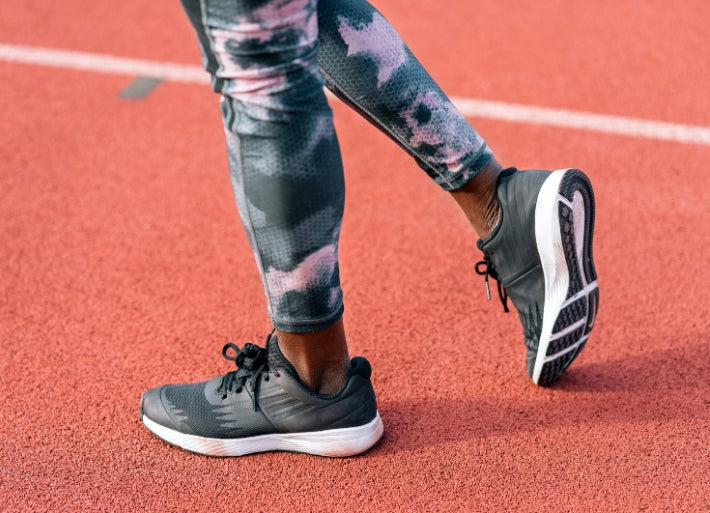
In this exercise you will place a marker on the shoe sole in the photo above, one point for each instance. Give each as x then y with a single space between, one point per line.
564 226
333 442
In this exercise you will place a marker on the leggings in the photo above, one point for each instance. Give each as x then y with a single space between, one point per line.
269 59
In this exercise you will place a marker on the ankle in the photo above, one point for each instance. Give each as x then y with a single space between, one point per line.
320 358
479 201
490 217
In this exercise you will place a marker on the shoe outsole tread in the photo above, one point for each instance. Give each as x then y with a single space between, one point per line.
566 257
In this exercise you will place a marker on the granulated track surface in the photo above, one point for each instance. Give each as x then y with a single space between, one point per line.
123 266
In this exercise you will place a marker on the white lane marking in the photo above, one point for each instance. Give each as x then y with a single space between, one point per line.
101 63
469 107
563 118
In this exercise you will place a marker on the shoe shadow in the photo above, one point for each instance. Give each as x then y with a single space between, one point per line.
667 385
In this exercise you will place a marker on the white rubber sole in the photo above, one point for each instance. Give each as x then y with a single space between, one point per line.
554 260
333 442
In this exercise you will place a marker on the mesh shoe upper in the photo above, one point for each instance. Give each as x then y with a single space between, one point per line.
262 396
513 257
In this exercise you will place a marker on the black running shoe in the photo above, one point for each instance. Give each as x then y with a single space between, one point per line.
262 406
541 256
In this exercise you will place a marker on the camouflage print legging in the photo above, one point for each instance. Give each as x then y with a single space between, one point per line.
269 60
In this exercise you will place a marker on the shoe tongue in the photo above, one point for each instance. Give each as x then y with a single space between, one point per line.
276 358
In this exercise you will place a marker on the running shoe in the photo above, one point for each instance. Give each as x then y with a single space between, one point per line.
541 256
263 406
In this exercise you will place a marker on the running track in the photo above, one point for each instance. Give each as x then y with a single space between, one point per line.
123 266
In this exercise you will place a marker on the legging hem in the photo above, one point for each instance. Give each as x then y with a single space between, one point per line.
308 326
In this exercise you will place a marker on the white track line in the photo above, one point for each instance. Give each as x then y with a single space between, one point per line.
634 127
469 107
100 63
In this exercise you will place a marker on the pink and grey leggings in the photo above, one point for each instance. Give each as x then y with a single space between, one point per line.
269 59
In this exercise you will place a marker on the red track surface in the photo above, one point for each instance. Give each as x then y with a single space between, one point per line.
123 266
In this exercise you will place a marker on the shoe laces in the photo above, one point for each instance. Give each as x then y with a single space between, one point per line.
485 268
252 362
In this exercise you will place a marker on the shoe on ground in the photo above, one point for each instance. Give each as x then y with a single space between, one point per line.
262 406
541 255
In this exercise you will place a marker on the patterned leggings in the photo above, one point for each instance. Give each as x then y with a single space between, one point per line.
269 60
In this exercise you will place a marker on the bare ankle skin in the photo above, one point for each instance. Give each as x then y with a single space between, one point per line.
477 199
321 358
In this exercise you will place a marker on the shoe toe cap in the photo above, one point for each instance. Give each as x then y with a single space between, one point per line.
152 406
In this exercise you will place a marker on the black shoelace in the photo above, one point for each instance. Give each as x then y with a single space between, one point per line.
489 270
252 362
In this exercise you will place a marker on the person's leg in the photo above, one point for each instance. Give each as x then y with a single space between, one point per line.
286 169
300 392
368 66
535 228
